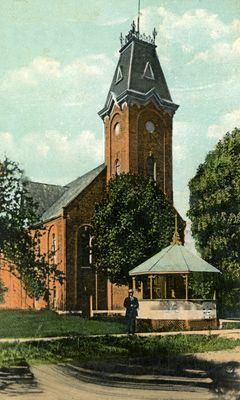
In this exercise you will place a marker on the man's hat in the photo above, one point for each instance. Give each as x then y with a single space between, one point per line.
130 291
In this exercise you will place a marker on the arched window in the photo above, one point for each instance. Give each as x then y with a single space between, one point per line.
151 167
84 246
117 167
54 246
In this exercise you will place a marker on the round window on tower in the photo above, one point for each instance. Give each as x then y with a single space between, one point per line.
150 127
117 129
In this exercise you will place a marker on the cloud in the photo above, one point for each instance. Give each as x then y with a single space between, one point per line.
220 52
45 69
196 34
199 18
117 21
52 155
178 27
94 65
45 66
226 124
30 75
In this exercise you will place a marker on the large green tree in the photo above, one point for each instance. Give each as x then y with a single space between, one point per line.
215 207
133 222
18 215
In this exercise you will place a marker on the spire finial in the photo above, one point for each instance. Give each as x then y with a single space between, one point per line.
154 34
138 21
176 237
134 32
121 39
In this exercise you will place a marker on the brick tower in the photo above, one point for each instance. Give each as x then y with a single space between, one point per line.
138 114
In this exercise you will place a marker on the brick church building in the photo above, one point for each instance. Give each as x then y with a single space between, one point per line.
137 116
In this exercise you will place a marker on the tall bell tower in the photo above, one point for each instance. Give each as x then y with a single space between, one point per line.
138 114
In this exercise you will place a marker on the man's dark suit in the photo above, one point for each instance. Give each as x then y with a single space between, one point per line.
131 304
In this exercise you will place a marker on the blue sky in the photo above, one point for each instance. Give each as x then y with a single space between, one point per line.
57 62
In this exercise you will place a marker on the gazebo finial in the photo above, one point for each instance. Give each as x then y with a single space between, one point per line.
176 237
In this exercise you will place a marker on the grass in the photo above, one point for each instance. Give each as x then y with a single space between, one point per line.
20 323
231 325
107 348
80 345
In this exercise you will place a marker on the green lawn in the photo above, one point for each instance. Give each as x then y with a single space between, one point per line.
231 325
79 345
16 324
112 349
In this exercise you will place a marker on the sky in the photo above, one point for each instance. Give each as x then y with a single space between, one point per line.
57 62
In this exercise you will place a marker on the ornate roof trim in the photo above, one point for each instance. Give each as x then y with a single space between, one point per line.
135 34
140 97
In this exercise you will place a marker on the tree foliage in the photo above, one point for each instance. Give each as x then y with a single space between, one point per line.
133 222
18 215
214 206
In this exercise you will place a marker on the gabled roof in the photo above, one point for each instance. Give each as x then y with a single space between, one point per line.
138 77
51 199
44 194
173 259
72 190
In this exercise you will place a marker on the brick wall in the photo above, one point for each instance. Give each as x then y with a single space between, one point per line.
15 296
132 144
82 282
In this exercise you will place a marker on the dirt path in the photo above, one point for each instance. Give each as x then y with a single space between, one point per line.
57 382
221 356
54 384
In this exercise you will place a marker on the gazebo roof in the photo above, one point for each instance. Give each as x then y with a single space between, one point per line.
174 259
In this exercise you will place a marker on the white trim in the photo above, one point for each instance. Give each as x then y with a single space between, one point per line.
119 74
148 67
130 66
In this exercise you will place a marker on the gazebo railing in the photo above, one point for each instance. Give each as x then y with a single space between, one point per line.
176 288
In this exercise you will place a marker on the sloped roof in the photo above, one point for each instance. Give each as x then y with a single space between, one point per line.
134 84
72 190
173 259
44 194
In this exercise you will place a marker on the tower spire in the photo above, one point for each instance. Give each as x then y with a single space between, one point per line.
138 20
176 237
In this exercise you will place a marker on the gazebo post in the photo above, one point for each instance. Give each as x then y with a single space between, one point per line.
141 288
134 283
151 287
186 286
165 287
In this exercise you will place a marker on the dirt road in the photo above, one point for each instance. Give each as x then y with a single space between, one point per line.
68 382
54 384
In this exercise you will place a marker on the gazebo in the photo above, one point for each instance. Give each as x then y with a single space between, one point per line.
161 285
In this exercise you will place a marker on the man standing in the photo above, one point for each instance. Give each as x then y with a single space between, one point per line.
131 305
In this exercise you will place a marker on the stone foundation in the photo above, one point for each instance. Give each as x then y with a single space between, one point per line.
154 325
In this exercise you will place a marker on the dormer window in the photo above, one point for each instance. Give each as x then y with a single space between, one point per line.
119 75
148 71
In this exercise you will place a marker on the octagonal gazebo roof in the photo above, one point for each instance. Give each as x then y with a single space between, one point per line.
174 259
